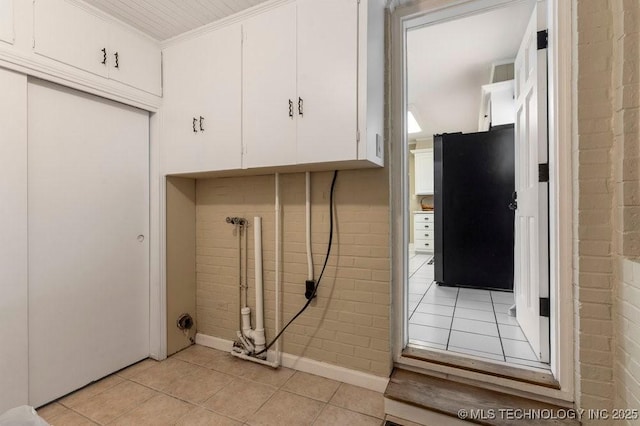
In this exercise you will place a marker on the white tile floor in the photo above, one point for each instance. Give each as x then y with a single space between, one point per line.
467 321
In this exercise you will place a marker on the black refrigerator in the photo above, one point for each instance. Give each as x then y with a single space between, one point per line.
474 178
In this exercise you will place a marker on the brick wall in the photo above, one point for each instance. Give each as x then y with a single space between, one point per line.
593 263
627 361
348 323
626 91
608 215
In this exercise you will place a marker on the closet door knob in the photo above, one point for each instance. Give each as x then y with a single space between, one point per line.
195 121
104 56
117 65
300 106
290 109
201 121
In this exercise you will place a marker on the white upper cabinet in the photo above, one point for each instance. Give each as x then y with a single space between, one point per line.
327 80
6 21
270 104
70 34
498 105
311 89
75 35
423 173
202 103
134 60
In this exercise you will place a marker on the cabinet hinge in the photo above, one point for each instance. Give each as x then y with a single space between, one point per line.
357 135
545 307
543 39
543 172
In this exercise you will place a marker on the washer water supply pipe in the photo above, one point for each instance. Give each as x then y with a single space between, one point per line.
244 349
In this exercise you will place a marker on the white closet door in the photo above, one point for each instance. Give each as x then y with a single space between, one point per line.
88 183
13 240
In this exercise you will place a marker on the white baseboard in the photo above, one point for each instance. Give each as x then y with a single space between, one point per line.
308 365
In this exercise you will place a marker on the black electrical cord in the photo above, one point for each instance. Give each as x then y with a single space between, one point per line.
326 259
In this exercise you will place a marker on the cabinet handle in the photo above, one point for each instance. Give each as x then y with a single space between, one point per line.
116 65
201 121
300 106
426 235
426 226
195 120
290 109
104 56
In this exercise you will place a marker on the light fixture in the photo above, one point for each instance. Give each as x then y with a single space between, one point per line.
412 124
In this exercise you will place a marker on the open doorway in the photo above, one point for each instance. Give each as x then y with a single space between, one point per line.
478 265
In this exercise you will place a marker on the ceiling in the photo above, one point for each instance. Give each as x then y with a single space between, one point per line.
164 19
448 62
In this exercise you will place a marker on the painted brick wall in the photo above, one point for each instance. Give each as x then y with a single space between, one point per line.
607 284
626 94
627 361
348 323
593 261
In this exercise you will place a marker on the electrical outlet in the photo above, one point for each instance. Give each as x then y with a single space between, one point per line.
310 287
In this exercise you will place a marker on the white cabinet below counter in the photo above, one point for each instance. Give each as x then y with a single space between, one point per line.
423 232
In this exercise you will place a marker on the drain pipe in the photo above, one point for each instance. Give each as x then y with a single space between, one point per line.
258 335
259 339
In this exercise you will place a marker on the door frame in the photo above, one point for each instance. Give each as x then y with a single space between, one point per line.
560 118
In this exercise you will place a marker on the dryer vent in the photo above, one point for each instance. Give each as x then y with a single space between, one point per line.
185 322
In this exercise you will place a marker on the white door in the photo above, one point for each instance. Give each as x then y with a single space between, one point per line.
13 234
199 84
327 80
88 182
270 103
531 219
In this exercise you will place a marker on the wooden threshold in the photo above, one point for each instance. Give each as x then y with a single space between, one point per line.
535 377
477 405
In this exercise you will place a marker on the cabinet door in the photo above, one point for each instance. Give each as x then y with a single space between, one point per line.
70 34
134 60
327 80
14 356
203 79
269 88
424 172
6 21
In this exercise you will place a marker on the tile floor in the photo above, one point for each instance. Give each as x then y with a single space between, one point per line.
202 386
466 321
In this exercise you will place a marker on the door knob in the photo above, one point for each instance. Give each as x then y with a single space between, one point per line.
140 238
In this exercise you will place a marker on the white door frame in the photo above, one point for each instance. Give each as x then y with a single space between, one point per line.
560 84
